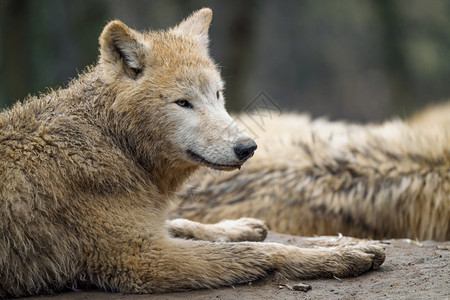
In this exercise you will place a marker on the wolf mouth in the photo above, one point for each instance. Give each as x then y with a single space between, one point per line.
202 160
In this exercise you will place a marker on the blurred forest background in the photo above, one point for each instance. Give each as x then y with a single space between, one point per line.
361 60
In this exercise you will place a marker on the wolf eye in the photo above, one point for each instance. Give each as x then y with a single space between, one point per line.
218 95
183 103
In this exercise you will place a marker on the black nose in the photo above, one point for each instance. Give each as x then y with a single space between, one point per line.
245 150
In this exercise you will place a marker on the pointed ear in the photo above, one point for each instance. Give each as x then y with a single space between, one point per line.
197 25
120 47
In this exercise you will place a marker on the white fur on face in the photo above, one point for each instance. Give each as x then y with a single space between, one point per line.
206 132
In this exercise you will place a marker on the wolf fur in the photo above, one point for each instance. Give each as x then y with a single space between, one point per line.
87 172
309 177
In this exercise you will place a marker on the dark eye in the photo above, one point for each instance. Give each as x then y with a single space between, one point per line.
183 103
218 95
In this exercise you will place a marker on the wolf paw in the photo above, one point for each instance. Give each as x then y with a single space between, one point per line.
244 229
359 259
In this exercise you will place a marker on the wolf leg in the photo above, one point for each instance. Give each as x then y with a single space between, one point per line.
169 264
244 229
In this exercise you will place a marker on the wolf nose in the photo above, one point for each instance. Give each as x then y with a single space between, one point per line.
245 150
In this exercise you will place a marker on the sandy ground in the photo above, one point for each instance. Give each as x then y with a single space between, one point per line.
412 270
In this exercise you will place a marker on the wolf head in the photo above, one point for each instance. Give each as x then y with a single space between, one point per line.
169 98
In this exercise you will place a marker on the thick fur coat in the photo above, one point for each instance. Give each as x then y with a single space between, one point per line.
87 172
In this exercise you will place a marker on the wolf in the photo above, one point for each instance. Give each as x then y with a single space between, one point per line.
87 174
317 177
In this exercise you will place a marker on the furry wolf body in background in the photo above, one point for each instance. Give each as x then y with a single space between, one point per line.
318 177
87 172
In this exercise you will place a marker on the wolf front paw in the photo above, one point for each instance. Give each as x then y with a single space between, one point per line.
244 229
341 261
378 253
355 260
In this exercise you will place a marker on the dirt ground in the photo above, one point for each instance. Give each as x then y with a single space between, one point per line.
412 270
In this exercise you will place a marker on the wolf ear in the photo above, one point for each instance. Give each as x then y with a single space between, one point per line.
197 25
120 48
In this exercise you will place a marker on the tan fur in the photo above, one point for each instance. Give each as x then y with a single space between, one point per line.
432 115
87 172
317 177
